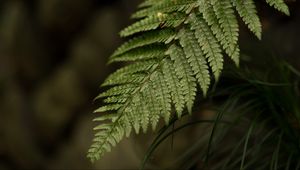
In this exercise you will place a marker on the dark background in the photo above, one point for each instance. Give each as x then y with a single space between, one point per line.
53 56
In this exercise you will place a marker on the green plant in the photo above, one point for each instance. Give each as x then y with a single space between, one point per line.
256 126
174 47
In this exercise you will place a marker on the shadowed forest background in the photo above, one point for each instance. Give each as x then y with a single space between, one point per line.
53 56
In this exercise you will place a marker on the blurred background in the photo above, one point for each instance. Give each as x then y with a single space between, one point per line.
53 56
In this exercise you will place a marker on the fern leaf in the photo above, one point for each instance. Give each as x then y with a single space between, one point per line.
148 3
195 58
109 136
178 42
206 9
173 83
173 20
126 123
166 6
208 43
279 5
116 99
248 13
185 73
163 96
111 116
152 105
153 22
156 36
146 52
136 113
110 107
228 23
150 23
138 67
130 78
145 112
117 90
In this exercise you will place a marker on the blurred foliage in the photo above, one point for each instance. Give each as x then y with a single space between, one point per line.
53 56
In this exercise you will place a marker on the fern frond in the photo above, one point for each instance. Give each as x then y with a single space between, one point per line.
157 36
148 3
149 23
173 83
117 90
110 107
152 105
228 22
248 13
172 20
208 43
185 73
279 5
110 116
171 50
145 112
153 22
132 69
195 58
143 53
121 99
167 6
126 117
107 137
130 78
162 95
135 113
206 9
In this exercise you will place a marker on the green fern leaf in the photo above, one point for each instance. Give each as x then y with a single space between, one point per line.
136 113
195 58
178 42
173 83
279 5
128 71
110 107
208 43
185 73
145 112
150 23
116 99
148 3
144 53
206 9
153 22
110 116
117 90
224 38
248 13
109 135
228 23
167 6
131 78
162 95
152 105
148 38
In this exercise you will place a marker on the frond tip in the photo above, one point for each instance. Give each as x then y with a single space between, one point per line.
176 46
279 5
